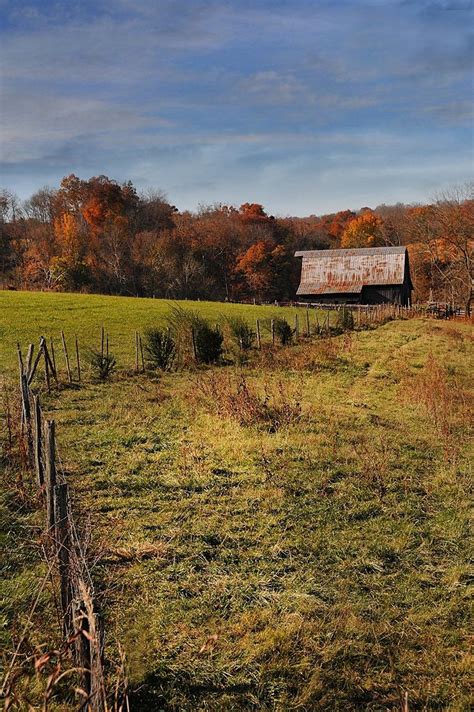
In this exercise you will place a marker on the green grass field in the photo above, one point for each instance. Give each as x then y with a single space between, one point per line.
312 554
25 316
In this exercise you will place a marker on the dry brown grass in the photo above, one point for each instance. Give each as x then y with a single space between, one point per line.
441 396
275 405
309 356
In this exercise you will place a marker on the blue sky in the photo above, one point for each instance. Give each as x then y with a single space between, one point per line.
304 106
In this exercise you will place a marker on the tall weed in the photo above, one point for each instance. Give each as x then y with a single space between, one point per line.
276 407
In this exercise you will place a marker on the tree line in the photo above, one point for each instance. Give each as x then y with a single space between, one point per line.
99 235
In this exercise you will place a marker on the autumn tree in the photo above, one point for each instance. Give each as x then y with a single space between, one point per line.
363 231
42 205
445 231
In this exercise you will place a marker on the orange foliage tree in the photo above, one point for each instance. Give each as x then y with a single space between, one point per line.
363 231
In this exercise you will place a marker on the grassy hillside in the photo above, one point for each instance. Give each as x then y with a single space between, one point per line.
287 534
25 316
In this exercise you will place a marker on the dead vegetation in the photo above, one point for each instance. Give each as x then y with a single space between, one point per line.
439 395
274 405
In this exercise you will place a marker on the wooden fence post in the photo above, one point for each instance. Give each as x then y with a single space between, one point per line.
136 352
66 356
141 352
89 646
78 361
307 322
297 326
26 413
193 340
50 472
53 355
20 359
63 544
257 331
38 442
32 370
29 358
46 371
273 331
49 365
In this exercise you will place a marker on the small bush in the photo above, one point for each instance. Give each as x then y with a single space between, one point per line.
208 341
187 326
160 349
345 319
283 331
102 365
241 333
275 408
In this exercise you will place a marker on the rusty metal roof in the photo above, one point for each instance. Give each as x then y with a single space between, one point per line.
348 271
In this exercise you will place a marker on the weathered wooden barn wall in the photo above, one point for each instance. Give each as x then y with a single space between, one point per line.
367 276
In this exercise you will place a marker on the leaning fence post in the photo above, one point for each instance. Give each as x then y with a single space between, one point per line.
29 358
48 358
50 472
46 370
20 359
38 442
53 355
257 329
63 543
32 370
273 331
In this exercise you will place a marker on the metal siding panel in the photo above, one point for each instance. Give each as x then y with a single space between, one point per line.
348 271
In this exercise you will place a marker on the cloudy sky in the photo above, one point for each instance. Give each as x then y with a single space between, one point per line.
306 106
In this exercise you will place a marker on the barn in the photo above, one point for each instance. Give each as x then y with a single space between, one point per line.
373 275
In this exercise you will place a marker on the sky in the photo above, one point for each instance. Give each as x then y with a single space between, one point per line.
307 107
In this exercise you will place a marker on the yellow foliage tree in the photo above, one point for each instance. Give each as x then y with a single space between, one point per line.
66 231
363 231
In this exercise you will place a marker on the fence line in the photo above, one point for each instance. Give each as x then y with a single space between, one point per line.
82 627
